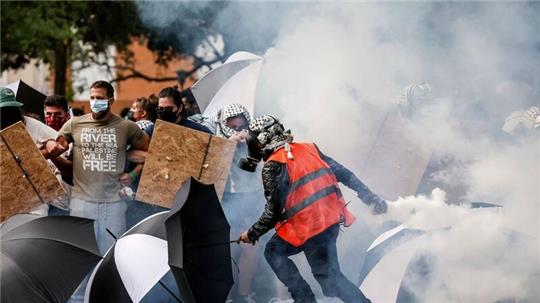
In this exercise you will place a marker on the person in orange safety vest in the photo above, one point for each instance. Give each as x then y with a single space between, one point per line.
305 206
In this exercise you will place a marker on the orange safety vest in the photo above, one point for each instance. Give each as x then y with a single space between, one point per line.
314 201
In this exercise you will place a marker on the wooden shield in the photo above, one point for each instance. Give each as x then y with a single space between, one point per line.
26 179
178 153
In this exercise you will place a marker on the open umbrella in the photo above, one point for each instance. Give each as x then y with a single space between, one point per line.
133 266
400 258
31 98
16 221
199 244
386 262
45 259
206 88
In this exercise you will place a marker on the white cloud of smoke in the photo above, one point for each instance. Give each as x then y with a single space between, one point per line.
338 69
373 51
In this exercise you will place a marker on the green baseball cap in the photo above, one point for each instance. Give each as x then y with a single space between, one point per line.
7 98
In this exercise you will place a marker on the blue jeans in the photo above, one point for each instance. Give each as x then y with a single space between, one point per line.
107 215
137 211
321 254
55 211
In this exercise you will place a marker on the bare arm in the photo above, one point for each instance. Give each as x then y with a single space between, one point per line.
137 156
143 143
52 149
139 149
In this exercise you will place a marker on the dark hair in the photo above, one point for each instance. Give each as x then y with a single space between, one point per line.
154 99
106 85
57 101
173 93
77 111
192 107
149 105
124 112
189 96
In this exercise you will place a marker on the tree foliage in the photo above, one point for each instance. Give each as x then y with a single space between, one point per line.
59 32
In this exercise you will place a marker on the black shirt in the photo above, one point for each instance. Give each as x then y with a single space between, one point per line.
194 125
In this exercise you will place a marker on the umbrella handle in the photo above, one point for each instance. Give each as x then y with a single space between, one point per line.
112 235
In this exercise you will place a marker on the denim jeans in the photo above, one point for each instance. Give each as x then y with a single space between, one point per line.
107 215
138 211
321 254
55 211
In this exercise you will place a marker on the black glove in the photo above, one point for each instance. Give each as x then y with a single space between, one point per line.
252 236
378 205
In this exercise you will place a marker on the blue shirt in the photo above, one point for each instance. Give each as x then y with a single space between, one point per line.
194 125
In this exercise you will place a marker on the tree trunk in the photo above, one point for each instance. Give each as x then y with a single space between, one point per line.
60 69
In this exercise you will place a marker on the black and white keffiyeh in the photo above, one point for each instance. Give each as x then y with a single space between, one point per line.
144 124
230 111
270 133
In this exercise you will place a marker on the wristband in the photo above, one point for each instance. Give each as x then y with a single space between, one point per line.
134 175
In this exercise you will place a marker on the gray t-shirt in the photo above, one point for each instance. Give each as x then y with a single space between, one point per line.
99 154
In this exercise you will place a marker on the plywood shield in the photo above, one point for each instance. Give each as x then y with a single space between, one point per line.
26 179
178 153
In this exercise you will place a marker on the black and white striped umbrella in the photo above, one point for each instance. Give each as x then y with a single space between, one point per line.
192 239
133 266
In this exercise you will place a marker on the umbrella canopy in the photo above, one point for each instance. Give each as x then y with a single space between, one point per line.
206 88
400 259
240 88
16 221
29 96
386 262
45 259
199 249
133 266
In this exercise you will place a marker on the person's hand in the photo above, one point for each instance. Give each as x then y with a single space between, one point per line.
125 179
239 136
380 207
126 193
137 156
244 238
54 149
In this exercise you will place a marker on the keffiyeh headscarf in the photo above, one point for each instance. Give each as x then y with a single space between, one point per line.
230 111
528 119
271 134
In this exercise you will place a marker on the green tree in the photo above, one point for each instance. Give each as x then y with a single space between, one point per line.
61 32
58 32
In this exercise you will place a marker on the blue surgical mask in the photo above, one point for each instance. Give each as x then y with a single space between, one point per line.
99 105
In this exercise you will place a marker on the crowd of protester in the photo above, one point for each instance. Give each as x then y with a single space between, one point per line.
97 158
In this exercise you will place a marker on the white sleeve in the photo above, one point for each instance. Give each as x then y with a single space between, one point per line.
39 132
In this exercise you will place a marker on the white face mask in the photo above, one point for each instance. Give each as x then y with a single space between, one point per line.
98 105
